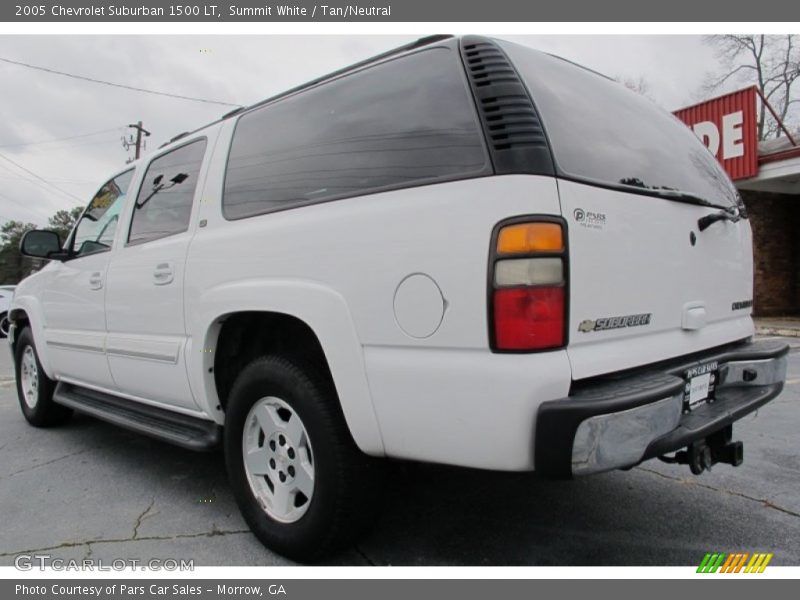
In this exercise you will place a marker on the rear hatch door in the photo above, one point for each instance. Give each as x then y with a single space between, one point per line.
645 282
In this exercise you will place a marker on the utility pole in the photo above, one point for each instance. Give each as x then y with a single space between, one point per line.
127 143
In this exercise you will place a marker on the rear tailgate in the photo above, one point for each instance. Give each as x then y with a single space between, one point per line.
645 284
640 289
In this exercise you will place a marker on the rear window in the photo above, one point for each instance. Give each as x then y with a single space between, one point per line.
406 122
602 132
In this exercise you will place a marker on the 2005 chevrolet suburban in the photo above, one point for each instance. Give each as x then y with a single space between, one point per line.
462 251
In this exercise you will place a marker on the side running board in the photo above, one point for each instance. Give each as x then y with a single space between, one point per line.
181 430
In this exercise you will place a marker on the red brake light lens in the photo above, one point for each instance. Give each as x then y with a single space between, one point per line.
529 318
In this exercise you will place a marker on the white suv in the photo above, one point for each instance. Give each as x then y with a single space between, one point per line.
463 251
6 293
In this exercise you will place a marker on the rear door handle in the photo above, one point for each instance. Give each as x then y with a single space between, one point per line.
163 274
96 280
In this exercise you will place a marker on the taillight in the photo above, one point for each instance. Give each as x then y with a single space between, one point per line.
527 285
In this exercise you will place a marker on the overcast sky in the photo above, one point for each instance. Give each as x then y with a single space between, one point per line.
37 107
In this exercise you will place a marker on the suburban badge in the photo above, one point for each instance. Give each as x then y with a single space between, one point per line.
606 323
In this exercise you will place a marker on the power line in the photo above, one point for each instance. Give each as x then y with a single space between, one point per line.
59 180
21 206
38 184
71 137
119 85
76 145
55 187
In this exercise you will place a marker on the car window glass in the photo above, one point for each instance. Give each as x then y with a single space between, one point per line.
401 123
602 132
98 223
164 204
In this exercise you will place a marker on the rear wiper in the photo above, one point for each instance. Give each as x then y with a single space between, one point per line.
687 197
726 214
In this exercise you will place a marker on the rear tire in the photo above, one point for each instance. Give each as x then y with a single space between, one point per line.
34 387
305 489
4 324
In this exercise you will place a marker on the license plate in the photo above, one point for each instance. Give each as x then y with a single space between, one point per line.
700 383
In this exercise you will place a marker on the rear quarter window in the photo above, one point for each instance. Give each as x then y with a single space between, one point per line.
402 123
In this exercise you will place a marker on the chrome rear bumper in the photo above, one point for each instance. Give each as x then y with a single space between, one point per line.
618 422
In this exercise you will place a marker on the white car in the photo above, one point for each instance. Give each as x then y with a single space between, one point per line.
6 293
463 251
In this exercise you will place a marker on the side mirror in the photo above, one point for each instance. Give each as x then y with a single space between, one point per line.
39 243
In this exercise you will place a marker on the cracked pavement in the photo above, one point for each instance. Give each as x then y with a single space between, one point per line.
89 489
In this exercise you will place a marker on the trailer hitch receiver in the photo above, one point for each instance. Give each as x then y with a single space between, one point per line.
704 454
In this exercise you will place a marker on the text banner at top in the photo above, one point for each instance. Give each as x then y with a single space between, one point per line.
332 11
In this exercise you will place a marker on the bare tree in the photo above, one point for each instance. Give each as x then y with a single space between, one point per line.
771 62
639 85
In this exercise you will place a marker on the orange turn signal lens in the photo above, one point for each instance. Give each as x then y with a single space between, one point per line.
530 237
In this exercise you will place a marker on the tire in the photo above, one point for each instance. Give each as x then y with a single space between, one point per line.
34 387
291 421
3 325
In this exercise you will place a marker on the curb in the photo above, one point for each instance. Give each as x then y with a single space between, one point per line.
778 331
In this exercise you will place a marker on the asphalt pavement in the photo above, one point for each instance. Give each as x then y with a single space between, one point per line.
89 489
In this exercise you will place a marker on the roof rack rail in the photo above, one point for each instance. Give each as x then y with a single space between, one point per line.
175 138
424 41
230 113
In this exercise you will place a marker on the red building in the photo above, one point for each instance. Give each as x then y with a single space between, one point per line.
767 175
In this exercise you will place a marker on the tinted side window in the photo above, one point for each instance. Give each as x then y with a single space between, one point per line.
402 123
164 204
96 227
